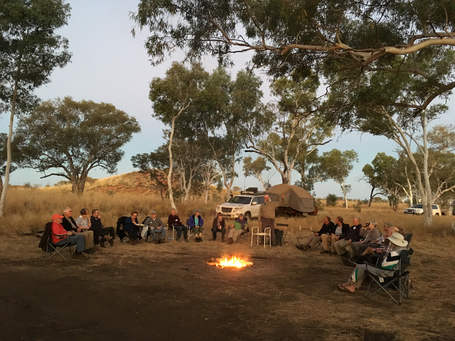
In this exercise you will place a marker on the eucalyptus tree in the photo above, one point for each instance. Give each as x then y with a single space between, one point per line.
398 98
175 99
294 127
255 168
337 165
30 49
69 139
296 35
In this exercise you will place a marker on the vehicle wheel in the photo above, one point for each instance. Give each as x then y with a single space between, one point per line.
248 215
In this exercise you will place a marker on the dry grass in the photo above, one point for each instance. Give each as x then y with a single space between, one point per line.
29 208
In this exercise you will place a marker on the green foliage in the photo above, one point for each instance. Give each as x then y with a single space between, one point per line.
72 138
336 164
331 200
293 36
29 48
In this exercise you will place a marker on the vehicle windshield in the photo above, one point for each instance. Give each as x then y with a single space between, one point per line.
417 206
240 200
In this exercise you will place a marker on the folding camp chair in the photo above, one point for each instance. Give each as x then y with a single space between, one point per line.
396 287
49 248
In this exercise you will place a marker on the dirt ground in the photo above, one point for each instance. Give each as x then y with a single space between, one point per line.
168 292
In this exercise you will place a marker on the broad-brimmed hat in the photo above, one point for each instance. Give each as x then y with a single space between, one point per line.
398 239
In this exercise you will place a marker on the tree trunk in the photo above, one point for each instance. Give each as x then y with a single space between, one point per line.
206 195
8 152
171 161
345 195
261 181
427 208
371 196
285 178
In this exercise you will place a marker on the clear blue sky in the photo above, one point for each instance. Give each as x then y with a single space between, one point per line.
109 65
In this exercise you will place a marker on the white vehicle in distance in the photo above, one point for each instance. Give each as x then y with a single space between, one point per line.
247 204
418 209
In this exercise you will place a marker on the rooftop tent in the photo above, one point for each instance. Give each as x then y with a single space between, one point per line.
292 196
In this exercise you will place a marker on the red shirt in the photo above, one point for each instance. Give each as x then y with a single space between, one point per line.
56 230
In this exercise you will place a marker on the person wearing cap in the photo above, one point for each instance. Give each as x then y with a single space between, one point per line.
60 236
388 265
219 225
195 224
155 226
371 254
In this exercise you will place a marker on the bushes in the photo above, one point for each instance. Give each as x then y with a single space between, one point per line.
331 200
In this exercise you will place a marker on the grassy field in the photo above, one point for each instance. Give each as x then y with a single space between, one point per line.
168 292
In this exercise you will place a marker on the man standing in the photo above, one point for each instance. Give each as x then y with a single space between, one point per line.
267 216
61 237
156 227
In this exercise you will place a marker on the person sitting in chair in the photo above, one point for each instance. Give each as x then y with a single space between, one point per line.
343 246
240 226
156 228
371 237
322 235
132 227
219 225
195 224
61 237
70 224
341 232
388 265
173 222
100 232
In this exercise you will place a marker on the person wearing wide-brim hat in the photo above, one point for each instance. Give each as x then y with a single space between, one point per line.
389 264
195 224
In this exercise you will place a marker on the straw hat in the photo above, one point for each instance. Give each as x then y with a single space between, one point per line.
398 239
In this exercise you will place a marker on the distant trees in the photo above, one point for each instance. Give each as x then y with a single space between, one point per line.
337 165
30 49
69 139
255 168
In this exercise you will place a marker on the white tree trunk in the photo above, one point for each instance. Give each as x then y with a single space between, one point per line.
171 159
345 195
428 201
8 152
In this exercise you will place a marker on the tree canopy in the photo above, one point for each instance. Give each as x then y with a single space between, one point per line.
290 36
69 139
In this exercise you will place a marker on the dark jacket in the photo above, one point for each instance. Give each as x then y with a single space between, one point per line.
215 224
67 225
327 228
354 233
128 224
345 230
173 221
191 223
95 223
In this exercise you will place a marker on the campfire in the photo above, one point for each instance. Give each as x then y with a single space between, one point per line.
231 262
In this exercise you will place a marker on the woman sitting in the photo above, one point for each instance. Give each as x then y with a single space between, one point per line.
195 224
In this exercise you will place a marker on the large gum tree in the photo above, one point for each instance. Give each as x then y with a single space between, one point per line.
30 49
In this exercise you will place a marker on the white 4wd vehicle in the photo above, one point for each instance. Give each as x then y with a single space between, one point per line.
247 204
418 209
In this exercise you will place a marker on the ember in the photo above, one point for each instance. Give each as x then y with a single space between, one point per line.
232 262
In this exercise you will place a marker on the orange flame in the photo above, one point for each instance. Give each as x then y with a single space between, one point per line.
232 262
